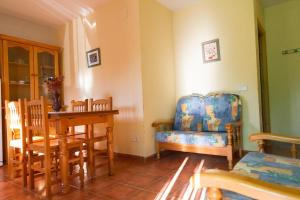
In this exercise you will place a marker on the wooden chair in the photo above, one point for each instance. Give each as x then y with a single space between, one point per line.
97 105
257 175
80 106
36 113
16 139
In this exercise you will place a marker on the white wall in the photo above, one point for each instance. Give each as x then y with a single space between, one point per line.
27 30
117 35
234 24
282 28
158 73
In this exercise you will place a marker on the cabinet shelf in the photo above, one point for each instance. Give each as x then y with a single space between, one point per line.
20 84
26 65
47 67
18 64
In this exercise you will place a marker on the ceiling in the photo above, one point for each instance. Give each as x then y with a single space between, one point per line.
177 4
48 12
268 3
57 12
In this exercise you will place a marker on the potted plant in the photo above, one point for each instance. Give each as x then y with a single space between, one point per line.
53 85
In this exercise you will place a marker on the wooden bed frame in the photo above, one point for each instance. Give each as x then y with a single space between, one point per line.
215 180
233 135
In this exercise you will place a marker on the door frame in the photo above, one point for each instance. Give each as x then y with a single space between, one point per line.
263 79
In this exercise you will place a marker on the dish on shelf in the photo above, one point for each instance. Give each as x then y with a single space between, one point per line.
13 82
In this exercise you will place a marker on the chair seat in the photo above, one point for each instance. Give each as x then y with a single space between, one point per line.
211 139
270 168
54 144
17 143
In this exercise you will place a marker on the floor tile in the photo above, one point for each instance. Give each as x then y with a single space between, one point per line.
134 179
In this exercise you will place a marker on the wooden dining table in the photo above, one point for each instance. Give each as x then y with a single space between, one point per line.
65 119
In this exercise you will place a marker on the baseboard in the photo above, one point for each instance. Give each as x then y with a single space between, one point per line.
141 158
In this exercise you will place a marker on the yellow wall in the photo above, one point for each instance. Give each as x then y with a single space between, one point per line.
259 22
158 75
24 29
283 27
234 24
119 76
135 38
151 57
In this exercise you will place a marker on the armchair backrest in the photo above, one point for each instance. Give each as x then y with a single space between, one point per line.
189 112
207 113
220 109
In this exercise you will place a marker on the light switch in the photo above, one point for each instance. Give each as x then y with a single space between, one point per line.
243 88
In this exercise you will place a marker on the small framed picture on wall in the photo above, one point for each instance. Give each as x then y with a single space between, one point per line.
93 57
211 51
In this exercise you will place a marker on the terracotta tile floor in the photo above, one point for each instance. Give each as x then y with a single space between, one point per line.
134 179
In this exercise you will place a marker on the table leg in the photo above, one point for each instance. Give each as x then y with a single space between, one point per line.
91 157
64 168
109 135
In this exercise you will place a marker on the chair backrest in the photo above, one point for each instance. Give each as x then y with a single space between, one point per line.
79 106
36 115
207 113
220 109
189 112
14 115
101 104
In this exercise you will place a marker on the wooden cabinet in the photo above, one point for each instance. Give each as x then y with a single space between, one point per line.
26 65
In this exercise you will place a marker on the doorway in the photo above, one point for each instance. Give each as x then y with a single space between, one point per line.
263 76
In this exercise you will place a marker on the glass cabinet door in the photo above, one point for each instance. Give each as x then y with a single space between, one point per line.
46 67
18 63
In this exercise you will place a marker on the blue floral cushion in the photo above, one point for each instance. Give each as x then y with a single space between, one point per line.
217 139
270 168
189 112
219 110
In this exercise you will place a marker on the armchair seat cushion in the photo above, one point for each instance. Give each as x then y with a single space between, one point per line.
212 139
270 168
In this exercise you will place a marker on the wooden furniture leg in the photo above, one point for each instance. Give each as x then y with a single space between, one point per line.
31 172
110 150
214 194
157 151
64 157
91 157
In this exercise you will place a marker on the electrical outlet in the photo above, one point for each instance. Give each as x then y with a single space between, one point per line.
133 139
242 88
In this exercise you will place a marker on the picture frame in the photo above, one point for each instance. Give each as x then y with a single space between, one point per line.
93 57
211 51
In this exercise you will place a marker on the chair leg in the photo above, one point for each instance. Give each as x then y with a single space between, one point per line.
229 159
48 176
240 152
157 151
81 171
10 157
91 158
24 171
31 171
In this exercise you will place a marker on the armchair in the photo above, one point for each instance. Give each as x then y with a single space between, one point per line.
203 124
257 175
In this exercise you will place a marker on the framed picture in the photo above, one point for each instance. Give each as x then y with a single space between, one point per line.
93 57
211 51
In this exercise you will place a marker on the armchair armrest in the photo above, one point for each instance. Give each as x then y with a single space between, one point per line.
274 137
234 124
260 137
215 180
163 124
234 133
